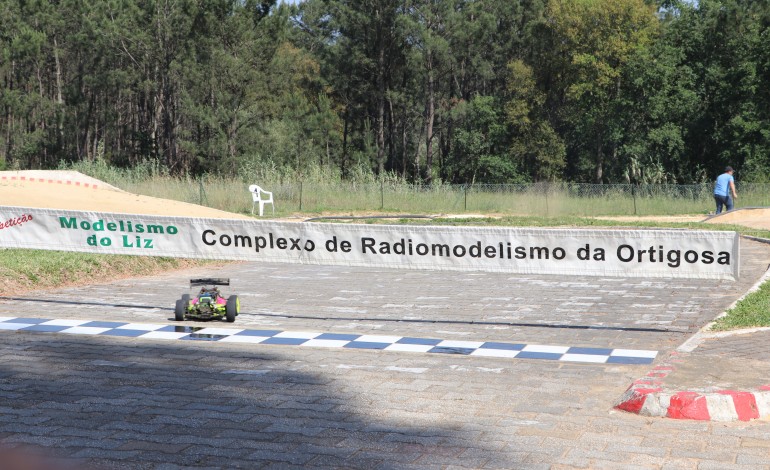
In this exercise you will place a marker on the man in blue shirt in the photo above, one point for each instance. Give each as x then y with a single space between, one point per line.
724 186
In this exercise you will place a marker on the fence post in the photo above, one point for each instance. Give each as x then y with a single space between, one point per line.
382 194
201 191
300 196
465 196
633 194
546 198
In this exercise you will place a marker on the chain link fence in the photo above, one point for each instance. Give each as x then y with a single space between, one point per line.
535 199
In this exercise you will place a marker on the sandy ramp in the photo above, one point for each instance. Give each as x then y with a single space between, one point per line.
754 217
75 191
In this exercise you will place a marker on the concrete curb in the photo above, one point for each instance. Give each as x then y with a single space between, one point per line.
647 397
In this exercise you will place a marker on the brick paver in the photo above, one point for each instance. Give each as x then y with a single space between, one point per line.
125 403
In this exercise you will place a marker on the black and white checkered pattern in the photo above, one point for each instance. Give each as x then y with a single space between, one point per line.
329 340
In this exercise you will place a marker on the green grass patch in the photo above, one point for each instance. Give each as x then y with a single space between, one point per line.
23 270
752 311
322 190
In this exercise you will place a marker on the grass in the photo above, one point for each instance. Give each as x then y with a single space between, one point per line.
231 194
752 311
321 190
25 270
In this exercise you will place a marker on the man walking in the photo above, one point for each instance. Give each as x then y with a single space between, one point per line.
724 186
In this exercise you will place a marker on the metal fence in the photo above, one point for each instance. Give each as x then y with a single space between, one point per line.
536 199
542 199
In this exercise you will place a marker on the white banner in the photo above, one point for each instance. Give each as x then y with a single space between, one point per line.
580 252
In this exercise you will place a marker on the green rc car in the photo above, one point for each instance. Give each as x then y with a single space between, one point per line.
208 304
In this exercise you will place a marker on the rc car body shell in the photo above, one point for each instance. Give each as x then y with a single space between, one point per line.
208 303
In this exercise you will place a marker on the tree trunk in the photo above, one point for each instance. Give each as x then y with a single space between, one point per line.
59 99
599 169
344 163
380 104
391 135
430 117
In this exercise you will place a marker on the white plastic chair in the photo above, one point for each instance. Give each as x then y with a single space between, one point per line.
259 195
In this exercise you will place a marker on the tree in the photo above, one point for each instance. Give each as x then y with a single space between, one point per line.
536 146
724 43
588 43
480 144
359 48
428 25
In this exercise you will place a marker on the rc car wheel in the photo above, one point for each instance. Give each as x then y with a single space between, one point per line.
181 307
232 308
179 311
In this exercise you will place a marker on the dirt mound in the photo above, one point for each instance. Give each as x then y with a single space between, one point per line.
653 218
73 177
754 217
76 191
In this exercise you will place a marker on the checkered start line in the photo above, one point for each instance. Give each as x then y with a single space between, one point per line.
330 340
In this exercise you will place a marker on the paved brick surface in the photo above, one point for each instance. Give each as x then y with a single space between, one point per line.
116 402
737 361
753 346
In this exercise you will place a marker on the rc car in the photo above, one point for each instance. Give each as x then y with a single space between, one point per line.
208 303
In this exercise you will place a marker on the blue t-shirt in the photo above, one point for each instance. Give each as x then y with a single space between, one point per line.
722 187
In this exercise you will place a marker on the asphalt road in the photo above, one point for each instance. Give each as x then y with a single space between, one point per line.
131 402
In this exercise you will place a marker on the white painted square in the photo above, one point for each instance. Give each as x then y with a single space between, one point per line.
243 339
460 344
495 352
65 322
595 358
2 319
85 330
634 353
541 348
409 347
218 331
13 326
163 335
378 339
326 343
140 327
297 334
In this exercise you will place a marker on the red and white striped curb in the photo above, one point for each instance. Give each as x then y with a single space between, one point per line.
646 397
49 180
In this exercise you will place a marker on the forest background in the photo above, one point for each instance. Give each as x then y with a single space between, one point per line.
425 91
